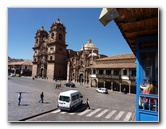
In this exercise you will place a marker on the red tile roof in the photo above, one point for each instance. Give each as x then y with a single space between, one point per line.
118 57
20 63
114 65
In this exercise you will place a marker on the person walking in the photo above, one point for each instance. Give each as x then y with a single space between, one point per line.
87 103
41 97
19 99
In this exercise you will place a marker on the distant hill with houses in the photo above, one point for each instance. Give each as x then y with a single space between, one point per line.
14 60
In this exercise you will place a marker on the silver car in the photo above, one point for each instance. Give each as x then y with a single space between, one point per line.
102 90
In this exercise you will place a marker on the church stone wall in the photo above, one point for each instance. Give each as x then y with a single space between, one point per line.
34 70
50 71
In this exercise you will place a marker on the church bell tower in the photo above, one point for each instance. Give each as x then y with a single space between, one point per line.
57 53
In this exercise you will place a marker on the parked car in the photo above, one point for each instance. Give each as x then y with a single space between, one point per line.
102 90
69 84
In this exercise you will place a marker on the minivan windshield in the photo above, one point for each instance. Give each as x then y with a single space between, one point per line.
64 98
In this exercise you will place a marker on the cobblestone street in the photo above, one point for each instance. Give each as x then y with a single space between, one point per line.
31 108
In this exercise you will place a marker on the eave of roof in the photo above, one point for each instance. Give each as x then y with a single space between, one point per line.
133 23
137 22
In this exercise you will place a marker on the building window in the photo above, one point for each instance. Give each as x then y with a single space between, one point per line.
133 72
51 49
94 71
101 72
37 40
108 72
124 72
52 35
50 58
116 72
60 36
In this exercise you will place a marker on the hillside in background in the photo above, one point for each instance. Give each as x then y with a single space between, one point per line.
13 59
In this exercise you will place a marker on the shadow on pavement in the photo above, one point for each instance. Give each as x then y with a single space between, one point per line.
46 103
23 105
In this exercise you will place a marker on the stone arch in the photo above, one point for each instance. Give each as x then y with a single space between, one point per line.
93 83
116 86
81 78
52 35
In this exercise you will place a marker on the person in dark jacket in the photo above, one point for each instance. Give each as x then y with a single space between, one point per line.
19 99
41 97
87 103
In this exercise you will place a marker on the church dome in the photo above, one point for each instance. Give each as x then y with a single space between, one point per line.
92 55
89 46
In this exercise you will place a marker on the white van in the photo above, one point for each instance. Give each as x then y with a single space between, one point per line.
68 100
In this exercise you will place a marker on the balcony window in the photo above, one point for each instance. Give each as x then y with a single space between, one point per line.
133 72
94 71
108 72
124 72
100 72
116 72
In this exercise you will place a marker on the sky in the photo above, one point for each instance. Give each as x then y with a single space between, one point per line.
81 25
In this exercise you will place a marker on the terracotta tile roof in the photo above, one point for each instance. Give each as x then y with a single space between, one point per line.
114 65
20 63
118 57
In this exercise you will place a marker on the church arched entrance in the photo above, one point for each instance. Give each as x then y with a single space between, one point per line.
93 83
81 78
42 72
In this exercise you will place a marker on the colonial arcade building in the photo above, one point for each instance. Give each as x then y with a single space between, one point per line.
115 73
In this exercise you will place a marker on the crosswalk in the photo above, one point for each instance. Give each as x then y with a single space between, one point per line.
104 113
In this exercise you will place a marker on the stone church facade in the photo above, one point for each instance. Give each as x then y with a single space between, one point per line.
50 53
53 60
77 65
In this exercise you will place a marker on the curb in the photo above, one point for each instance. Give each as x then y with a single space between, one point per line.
24 119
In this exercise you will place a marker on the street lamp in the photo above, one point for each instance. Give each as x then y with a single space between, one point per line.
104 84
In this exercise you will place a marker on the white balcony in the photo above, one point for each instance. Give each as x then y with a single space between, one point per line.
93 75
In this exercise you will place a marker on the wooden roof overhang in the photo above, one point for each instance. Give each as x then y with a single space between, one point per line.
136 22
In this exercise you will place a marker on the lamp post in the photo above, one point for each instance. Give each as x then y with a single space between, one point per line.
112 86
104 84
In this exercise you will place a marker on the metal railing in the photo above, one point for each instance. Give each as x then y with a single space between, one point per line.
149 102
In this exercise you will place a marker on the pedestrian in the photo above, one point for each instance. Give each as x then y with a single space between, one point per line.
124 91
41 97
19 99
87 103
